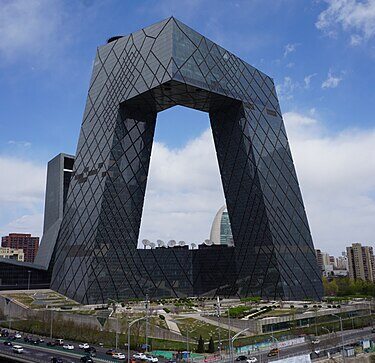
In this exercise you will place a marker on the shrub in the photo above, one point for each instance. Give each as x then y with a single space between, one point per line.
200 346
211 346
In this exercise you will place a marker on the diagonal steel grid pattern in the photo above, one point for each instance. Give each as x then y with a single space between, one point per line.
134 78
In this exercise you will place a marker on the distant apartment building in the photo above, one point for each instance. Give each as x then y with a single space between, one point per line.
12 253
331 266
319 259
361 262
342 262
26 242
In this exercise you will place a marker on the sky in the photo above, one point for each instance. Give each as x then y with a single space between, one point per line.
320 53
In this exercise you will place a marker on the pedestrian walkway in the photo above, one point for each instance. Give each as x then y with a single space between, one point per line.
172 326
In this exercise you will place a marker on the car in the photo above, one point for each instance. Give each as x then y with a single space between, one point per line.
273 352
373 330
56 360
51 344
110 352
18 336
252 360
40 340
91 351
315 341
59 341
141 356
83 346
118 355
152 359
8 343
26 338
68 346
34 341
86 359
12 337
17 349
241 358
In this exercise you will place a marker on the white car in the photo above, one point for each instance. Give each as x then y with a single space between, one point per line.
315 341
152 359
139 356
120 356
18 336
84 346
252 360
68 346
17 349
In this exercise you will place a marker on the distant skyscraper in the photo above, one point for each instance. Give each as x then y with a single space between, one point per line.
361 262
23 241
319 259
59 173
221 232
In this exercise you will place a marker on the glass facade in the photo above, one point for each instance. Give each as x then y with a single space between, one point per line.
134 77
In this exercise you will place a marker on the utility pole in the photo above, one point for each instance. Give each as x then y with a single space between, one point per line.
229 335
51 317
116 332
219 322
342 336
147 303
28 280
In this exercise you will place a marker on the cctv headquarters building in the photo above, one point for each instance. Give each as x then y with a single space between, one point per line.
94 200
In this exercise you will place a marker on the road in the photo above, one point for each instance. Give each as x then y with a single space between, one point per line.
43 354
350 337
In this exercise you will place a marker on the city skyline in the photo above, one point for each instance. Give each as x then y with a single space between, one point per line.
326 133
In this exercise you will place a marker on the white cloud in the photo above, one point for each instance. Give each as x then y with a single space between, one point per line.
353 16
29 223
25 144
29 27
290 48
308 78
183 193
332 81
337 178
22 186
336 174
286 89
21 182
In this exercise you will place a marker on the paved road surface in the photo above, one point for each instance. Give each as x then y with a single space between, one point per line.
43 354
350 337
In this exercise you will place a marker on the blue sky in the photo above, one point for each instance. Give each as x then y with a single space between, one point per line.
321 55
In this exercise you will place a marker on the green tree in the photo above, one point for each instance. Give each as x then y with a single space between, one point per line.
200 347
211 346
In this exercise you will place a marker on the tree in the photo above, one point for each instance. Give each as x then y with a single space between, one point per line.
200 347
211 346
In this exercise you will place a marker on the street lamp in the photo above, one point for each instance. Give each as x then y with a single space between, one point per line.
232 341
129 326
28 280
277 343
342 336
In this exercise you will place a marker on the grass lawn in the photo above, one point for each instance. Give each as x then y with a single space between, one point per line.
195 328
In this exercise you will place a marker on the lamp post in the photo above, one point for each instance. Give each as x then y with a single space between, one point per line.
28 280
342 336
51 317
146 306
277 342
129 326
219 323
232 341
